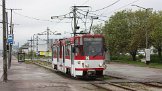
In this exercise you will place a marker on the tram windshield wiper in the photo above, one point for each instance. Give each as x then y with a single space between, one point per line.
97 54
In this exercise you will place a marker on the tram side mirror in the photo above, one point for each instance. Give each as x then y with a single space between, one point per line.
73 49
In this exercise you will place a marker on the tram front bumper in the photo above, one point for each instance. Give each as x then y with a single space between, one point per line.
91 72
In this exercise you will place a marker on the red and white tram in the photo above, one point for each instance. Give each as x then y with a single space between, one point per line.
84 58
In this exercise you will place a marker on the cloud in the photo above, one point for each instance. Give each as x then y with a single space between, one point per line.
44 9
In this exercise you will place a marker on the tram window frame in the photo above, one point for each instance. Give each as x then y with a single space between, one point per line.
79 50
55 52
67 50
58 51
72 55
63 54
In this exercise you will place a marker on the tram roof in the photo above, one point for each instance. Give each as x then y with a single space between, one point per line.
71 39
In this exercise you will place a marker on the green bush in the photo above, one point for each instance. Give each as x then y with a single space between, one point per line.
155 59
120 57
140 56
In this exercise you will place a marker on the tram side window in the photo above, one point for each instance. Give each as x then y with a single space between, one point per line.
79 50
55 54
58 49
63 54
67 51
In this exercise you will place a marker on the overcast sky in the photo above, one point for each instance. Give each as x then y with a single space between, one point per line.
26 25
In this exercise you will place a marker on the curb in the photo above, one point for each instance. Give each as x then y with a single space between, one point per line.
44 66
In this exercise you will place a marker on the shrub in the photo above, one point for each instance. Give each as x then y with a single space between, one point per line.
140 56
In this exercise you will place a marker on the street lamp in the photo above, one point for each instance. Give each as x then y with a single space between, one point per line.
146 20
147 50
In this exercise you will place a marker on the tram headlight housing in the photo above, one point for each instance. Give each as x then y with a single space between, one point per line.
100 65
79 62
86 65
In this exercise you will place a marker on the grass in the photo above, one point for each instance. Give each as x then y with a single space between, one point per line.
154 63
38 61
28 61
141 64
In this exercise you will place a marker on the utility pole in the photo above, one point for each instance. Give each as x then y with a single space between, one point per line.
10 45
33 45
4 41
147 50
18 47
31 55
37 47
48 39
75 23
7 24
7 34
147 9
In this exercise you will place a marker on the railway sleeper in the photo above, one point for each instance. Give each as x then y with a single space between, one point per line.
152 85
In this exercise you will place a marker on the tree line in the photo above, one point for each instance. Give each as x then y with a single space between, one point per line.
126 31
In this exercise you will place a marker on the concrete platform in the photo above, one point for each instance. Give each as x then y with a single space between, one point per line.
28 77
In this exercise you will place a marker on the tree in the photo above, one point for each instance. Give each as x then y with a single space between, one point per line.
156 33
116 33
126 31
97 29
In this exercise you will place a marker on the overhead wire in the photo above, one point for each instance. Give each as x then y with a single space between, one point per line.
101 15
83 21
106 6
92 16
92 13
123 6
58 16
33 18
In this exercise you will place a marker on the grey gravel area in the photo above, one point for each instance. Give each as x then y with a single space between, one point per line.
135 73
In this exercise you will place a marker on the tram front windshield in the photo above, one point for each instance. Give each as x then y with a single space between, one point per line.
93 46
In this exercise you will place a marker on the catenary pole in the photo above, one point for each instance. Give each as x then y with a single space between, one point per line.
4 41
11 32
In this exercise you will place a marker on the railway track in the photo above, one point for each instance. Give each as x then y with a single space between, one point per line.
121 85
129 86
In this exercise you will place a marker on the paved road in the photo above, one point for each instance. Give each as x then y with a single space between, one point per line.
1 65
134 73
29 77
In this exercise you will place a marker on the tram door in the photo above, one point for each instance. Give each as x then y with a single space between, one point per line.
63 58
57 55
58 59
72 60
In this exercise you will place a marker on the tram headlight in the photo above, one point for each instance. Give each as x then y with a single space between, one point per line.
86 65
79 62
100 65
